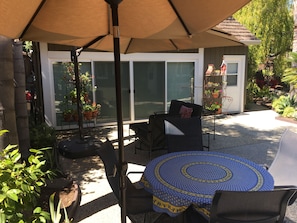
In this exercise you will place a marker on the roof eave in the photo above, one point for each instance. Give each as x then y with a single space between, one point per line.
251 42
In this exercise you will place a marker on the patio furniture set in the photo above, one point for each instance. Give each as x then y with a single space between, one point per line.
209 186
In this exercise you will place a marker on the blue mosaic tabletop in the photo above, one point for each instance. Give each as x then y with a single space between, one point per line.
180 179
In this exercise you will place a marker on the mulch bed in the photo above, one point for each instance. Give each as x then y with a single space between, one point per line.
285 119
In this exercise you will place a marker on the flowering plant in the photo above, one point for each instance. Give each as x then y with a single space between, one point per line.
207 93
214 106
96 106
217 91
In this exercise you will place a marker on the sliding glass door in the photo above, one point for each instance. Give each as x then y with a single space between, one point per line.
149 88
156 83
105 90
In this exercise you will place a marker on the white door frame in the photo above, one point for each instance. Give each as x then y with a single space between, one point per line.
233 98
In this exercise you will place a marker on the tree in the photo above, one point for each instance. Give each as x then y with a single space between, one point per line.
20 99
295 26
290 75
7 93
272 22
12 94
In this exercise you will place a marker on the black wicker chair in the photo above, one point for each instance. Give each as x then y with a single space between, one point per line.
151 134
183 134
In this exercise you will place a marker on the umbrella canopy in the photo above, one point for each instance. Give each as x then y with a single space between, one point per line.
207 39
83 23
78 23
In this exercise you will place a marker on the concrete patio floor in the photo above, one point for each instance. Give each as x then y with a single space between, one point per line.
253 135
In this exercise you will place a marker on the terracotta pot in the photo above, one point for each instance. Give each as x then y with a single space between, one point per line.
95 113
88 115
215 95
67 117
219 111
75 117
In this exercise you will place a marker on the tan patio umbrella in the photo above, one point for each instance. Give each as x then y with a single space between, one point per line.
81 23
77 23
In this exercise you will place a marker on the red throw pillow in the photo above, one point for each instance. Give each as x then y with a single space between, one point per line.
185 112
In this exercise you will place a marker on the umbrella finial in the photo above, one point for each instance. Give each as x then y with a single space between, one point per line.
113 2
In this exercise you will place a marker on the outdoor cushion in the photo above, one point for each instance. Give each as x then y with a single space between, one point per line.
175 106
185 112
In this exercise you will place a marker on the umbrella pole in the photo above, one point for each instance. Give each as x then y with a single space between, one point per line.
78 90
117 62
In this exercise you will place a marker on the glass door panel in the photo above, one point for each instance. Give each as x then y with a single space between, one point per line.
232 74
149 85
180 81
105 90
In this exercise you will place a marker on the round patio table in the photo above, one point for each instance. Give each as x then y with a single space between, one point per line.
180 179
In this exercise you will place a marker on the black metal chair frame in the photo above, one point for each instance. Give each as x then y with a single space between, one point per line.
250 206
138 201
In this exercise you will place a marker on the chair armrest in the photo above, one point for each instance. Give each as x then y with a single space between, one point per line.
160 112
134 172
285 187
294 197
136 126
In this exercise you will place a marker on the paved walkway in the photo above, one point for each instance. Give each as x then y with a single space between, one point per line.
252 135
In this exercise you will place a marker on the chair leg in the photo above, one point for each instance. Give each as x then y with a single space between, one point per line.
144 219
135 148
208 141
293 198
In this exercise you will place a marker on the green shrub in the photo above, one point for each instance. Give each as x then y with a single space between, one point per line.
289 112
295 115
282 102
42 136
20 185
254 91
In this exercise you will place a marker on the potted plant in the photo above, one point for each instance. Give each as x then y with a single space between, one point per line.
75 115
73 95
68 115
96 110
215 93
219 109
215 107
207 93
88 111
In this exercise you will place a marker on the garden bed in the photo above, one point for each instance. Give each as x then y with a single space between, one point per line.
285 119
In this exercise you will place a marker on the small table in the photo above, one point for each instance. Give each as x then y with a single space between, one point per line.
180 179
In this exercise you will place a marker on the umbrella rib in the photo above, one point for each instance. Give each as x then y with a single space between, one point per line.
93 41
32 18
172 42
180 18
227 34
127 48
220 31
